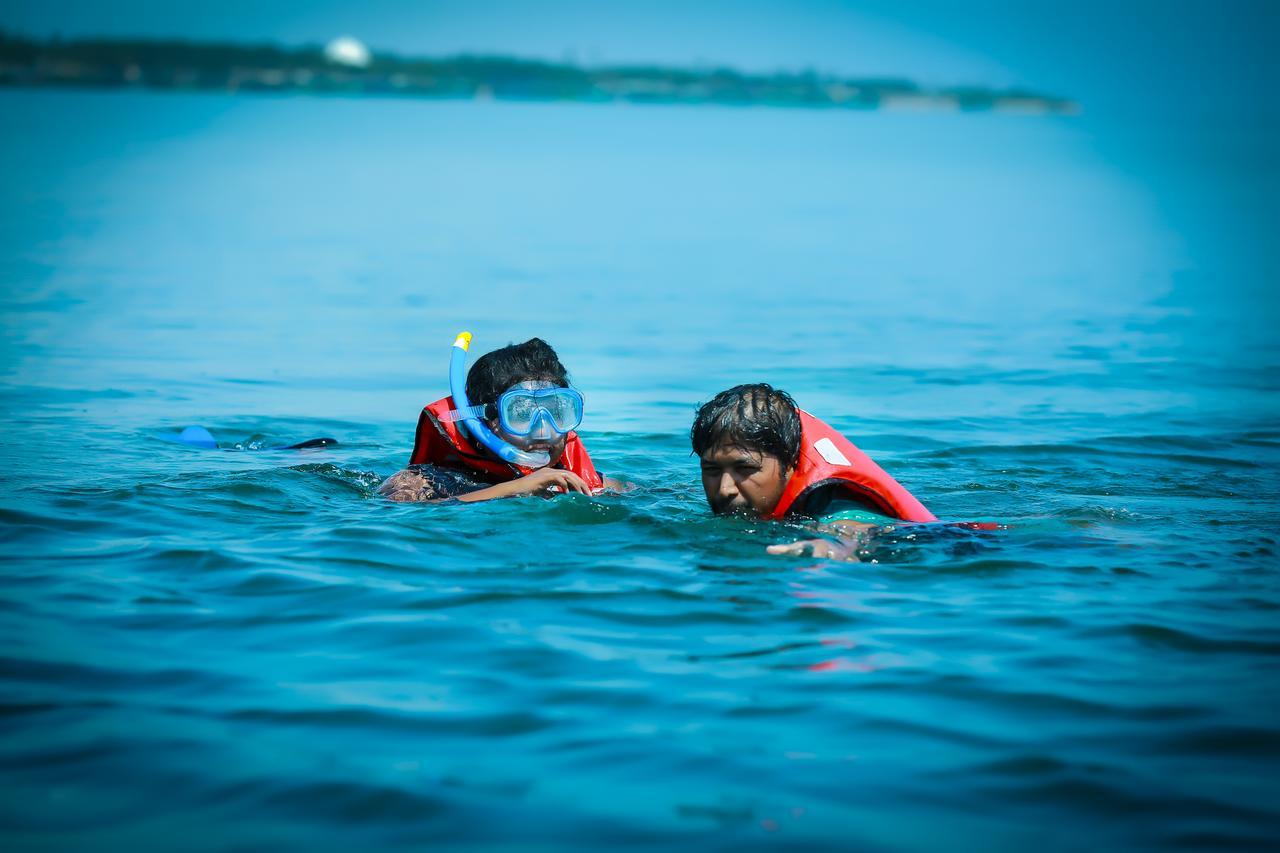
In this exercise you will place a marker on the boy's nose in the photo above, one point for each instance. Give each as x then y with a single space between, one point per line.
541 428
728 488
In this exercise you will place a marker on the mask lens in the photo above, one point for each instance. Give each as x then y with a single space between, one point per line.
564 405
561 411
519 413
521 409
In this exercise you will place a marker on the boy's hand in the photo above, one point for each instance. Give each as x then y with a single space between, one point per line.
544 481
550 481
823 549
850 536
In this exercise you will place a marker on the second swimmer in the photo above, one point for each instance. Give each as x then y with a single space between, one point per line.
507 430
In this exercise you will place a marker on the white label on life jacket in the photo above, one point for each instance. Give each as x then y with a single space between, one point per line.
830 452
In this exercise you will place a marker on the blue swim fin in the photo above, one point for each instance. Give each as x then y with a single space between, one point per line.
192 436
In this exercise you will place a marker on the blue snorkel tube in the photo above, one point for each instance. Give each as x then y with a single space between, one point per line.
474 423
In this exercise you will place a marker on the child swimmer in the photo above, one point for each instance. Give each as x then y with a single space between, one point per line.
518 438
763 456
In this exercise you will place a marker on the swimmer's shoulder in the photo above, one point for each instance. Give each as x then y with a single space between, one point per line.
832 504
613 484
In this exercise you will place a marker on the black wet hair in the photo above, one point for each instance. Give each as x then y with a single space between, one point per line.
495 372
756 417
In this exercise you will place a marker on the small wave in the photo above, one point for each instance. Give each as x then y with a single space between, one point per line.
1076 450
14 521
81 675
346 802
272 383
1018 767
202 560
1090 793
1260 438
362 482
1250 742
1162 636
1096 512
276 582
498 724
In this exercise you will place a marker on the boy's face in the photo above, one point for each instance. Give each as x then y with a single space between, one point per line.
541 439
742 482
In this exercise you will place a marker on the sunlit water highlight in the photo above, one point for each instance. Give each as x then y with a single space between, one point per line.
1051 324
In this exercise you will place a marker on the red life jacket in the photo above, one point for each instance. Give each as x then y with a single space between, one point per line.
440 442
827 457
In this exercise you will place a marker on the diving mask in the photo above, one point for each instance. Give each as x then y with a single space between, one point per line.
536 412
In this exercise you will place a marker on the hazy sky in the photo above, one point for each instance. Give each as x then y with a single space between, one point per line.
1167 54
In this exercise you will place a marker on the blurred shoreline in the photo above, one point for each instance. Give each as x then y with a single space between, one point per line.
346 67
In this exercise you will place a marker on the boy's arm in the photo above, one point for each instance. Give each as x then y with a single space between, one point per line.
412 486
544 480
849 537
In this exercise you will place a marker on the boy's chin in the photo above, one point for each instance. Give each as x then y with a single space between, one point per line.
553 449
736 511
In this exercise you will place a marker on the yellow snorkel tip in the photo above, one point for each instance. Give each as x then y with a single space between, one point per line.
463 341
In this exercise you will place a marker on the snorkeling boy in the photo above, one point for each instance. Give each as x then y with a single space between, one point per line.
518 438
763 456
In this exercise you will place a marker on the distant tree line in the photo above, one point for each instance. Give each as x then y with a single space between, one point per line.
179 64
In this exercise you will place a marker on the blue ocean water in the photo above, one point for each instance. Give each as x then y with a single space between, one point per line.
1064 325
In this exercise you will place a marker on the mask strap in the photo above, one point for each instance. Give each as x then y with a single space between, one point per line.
465 414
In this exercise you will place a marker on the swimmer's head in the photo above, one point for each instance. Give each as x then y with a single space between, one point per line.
532 365
748 441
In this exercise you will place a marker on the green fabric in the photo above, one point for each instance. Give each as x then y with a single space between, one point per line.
844 510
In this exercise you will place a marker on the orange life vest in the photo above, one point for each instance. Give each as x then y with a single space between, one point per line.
440 442
827 457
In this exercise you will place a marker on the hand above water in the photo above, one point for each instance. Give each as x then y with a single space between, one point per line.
550 481
849 537
823 549
544 481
